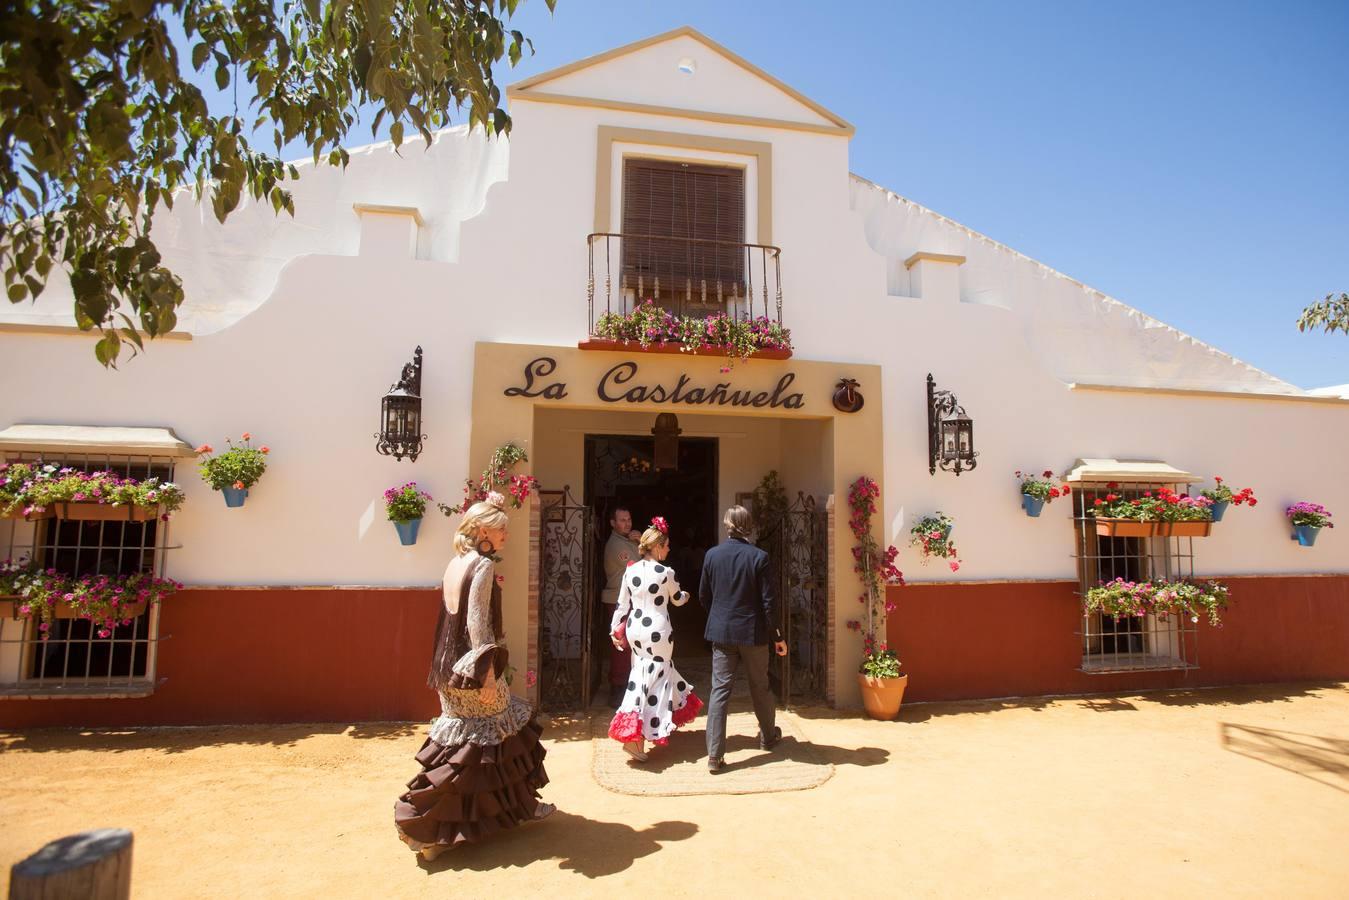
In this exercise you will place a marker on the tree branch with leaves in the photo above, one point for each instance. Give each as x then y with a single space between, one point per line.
99 124
1331 314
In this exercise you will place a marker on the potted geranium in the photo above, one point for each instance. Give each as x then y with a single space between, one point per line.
234 471
1122 599
15 577
1222 496
1308 519
932 534
879 676
1037 490
405 506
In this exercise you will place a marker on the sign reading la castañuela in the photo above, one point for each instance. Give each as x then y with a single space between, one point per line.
621 385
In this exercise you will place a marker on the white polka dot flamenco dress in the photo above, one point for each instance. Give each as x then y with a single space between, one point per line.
658 700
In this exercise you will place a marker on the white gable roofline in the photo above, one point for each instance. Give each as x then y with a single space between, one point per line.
529 88
1273 382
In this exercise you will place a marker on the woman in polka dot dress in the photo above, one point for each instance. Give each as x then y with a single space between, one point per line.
658 699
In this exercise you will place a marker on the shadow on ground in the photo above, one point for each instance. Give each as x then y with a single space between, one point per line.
185 738
1324 760
1236 695
588 847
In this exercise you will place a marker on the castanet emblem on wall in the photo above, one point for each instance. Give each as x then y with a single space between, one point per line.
847 398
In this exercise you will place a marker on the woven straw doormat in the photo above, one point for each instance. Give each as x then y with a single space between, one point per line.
680 768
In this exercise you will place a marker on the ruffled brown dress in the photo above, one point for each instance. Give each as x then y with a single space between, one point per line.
482 763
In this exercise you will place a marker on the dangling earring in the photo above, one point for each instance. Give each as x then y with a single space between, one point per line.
491 548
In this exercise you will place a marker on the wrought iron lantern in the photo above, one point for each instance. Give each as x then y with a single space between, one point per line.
667 432
950 433
400 414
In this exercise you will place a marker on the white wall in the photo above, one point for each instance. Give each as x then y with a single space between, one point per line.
506 261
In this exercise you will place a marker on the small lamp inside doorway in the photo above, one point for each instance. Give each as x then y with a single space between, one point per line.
400 414
667 433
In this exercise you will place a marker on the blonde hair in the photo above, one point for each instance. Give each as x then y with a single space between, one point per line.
478 518
652 538
739 523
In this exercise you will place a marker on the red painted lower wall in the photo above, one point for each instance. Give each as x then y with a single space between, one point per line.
347 655
1020 639
274 656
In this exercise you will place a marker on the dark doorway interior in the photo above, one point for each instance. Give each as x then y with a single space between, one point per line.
620 471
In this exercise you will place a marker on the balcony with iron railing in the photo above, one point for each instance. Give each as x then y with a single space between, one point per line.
684 280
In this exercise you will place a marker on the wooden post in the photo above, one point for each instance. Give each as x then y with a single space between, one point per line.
93 864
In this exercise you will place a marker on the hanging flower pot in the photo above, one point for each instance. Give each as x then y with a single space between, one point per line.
1307 520
1219 508
1223 496
33 516
1036 491
235 470
1305 535
405 505
407 531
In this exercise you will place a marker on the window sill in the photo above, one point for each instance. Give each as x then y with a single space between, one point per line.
37 691
1114 664
634 347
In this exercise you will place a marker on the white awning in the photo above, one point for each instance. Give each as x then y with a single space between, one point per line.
1150 471
113 439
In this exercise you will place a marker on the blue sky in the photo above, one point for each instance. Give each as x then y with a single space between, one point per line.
1190 159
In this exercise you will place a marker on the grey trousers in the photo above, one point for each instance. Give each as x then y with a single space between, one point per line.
726 659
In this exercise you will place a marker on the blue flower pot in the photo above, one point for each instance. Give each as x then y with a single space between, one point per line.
407 531
1218 509
1032 505
234 497
946 532
1305 535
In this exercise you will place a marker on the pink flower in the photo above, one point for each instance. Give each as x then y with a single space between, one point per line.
247 436
955 565
205 448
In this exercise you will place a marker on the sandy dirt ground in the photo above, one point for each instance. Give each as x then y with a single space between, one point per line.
1234 792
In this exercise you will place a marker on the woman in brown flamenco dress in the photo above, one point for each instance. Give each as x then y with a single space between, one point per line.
482 765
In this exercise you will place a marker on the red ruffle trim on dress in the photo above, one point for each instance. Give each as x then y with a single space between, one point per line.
626 727
686 713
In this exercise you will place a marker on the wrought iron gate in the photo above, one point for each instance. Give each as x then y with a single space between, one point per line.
798 546
566 602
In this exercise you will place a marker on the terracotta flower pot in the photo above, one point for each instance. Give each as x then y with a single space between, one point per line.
1185 529
84 511
882 696
1126 528
9 605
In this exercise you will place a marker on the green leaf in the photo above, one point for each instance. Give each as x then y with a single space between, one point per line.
222 77
18 292
200 53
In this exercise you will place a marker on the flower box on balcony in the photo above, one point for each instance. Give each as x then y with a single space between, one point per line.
18 514
1191 528
635 347
10 603
1126 527
106 512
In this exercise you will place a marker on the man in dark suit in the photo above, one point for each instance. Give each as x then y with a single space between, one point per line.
736 589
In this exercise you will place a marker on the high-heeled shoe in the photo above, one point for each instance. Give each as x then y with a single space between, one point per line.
635 752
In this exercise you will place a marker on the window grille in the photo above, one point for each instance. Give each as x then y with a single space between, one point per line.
1130 644
74 660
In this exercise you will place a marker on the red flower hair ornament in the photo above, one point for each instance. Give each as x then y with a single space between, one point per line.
661 525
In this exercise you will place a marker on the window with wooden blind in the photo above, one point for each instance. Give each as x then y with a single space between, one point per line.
683 234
